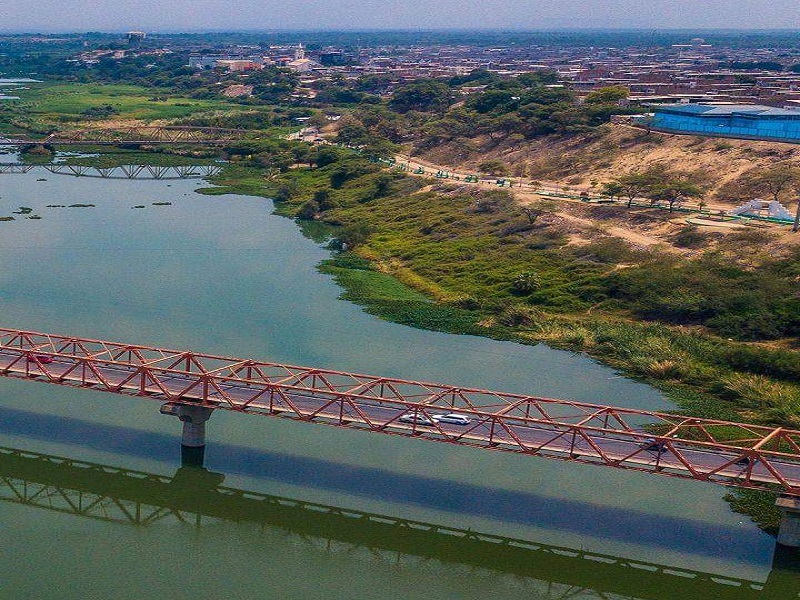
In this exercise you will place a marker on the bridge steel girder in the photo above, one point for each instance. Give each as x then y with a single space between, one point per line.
15 169
140 134
135 171
732 454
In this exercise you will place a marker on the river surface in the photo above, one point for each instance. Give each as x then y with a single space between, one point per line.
224 275
13 84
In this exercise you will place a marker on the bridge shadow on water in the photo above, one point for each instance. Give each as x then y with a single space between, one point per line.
524 508
194 495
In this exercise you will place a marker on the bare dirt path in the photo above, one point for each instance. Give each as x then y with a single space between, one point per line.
634 237
521 183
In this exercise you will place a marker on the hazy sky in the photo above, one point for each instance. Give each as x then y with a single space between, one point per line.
185 15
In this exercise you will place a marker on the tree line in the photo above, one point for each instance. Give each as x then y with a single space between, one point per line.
780 183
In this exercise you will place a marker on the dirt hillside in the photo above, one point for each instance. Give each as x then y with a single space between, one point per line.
583 160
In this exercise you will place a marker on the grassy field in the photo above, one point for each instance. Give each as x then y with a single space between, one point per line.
60 103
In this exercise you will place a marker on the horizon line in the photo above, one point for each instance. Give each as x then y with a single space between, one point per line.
565 29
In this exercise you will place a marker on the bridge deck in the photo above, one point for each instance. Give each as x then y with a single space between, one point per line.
665 444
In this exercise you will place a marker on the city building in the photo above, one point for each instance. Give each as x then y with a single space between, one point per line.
238 65
729 120
301 64
135 37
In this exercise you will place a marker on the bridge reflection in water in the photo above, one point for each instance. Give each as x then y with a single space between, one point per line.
195 496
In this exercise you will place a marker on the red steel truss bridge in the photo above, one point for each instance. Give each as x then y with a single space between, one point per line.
15 169
733 454
119 171
138 134
137 171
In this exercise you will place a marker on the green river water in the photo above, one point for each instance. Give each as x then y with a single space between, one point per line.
95 504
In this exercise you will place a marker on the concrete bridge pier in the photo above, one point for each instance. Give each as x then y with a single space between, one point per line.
789 532
193 438
782 580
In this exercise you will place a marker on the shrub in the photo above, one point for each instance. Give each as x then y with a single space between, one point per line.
323 199
526 282
755 391
284 193
784 364
309 210
493 167
607 250
689 237
517 316
660 369
354 235
465 302
100 112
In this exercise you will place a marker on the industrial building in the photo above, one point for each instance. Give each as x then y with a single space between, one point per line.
732 120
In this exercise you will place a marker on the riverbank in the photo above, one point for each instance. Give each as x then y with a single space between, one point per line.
473 256
445 258
222 275
441 257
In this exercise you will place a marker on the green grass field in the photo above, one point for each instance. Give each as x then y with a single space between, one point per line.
54 103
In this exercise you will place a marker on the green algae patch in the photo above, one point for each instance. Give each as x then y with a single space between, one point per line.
382 295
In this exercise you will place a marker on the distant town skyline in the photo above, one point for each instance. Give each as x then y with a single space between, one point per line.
251 15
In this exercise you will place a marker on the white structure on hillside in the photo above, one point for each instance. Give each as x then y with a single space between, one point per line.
757 207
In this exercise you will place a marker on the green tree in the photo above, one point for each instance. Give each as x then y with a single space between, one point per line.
538 78
612 189
548 95
351 131
776 180
309 210
422 95
675 190
354 235
634 185
375 147
317 120
382 185
326 155
499 101
611 94
322 198
301 153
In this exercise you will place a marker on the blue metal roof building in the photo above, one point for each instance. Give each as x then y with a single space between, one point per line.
736 120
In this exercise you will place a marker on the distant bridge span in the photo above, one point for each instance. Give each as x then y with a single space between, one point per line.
139 134
733 454
119 171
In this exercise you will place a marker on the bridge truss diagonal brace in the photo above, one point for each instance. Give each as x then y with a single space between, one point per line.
661 443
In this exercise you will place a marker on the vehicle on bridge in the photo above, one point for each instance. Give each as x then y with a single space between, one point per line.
416 419
41 358
452 418
653 445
